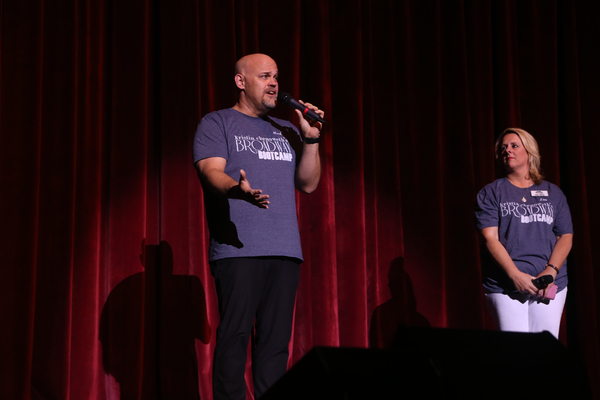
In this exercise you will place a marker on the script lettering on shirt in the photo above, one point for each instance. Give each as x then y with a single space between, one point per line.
528 213
266 148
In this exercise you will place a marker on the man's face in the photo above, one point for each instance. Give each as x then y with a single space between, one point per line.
260 76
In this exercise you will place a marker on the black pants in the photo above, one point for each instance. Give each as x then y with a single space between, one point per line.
253 291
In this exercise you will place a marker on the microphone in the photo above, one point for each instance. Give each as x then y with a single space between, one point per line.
543 281
292 102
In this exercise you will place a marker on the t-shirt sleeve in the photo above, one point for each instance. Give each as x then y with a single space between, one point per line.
210 139
562 219
486 209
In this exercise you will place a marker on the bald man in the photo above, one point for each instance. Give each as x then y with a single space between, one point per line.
249 165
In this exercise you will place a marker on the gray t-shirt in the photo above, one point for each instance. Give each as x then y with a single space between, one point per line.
528 221
264 149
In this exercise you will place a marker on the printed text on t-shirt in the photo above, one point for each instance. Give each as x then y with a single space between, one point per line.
529 212
275 149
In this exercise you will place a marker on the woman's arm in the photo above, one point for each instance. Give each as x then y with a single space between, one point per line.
562 248
557 258
521 280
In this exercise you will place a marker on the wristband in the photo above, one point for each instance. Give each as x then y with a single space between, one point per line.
553 267
312 140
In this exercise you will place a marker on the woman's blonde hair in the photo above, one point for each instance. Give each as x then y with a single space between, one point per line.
530 145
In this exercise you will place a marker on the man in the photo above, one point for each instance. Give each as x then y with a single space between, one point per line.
249 164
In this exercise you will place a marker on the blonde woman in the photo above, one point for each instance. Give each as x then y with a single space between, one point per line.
526 227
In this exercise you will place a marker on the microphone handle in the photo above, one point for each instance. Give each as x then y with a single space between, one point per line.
307 112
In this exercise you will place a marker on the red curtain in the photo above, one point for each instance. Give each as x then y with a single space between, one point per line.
106 291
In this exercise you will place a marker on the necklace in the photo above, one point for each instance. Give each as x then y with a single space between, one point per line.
522 185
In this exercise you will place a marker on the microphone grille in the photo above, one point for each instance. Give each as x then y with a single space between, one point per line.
283 96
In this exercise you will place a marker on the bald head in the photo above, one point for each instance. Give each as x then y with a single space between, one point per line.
256 78
252 61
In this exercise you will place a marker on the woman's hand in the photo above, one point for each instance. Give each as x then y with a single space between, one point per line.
548 271
523 282
544 291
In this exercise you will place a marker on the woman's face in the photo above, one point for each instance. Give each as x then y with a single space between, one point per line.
514 155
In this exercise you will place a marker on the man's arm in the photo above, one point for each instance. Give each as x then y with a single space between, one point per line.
308 172
211 172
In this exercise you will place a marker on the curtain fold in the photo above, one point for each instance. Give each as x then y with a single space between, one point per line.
106 289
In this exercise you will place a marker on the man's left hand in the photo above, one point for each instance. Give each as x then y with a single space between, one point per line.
308 127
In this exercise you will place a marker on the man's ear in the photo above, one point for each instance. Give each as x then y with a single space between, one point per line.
240 81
